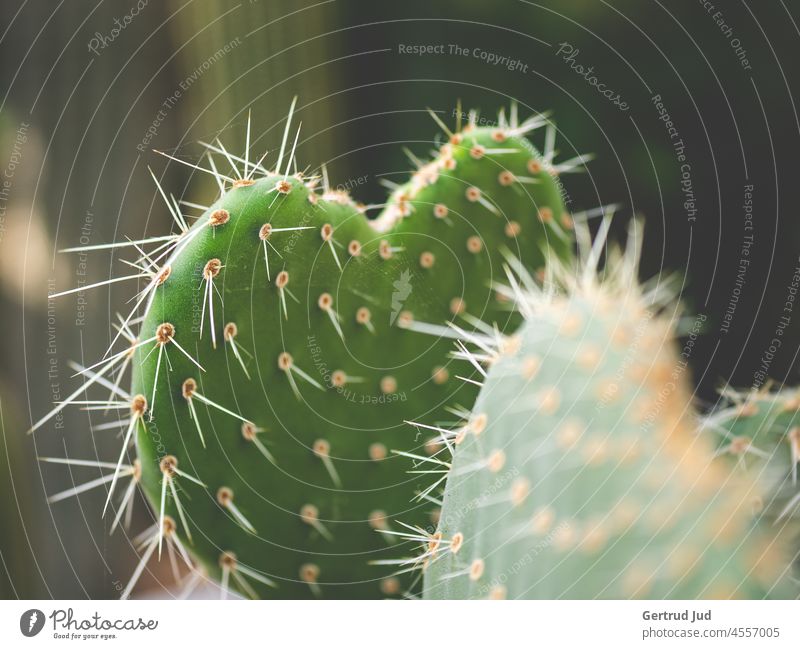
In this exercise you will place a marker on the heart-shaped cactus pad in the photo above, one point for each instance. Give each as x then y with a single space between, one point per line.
283 357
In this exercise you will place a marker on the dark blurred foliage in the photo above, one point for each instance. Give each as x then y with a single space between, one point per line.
360 101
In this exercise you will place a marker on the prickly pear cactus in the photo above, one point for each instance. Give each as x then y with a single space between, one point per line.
759 432
578 473
279 356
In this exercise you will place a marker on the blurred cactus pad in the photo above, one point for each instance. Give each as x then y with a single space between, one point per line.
581 472
759 432
284 345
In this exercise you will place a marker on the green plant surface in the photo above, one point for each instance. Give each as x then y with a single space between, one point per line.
279 358
579 473
758 431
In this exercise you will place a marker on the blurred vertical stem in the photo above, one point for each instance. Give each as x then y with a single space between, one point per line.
18 520
76 174
274 52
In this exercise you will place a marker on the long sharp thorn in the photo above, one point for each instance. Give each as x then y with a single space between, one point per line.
114 387
258 166
590 269
223 588
253 168
247 147
291 155
194 166
87 486
179 507
216 174
441 124
209 402
155 381
183 226
239 358
187 354
164 479
228 157
255 575
242 583
120 244
211 314
176 215
71 462
550 143
285 135
190 478
193 415
266 259
151 546
63 404
106 282
124 505
125 443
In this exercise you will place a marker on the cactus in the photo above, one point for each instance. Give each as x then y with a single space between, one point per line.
279 354
759 432
579 473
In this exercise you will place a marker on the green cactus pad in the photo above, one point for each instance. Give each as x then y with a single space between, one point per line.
759 432
579 473
279 359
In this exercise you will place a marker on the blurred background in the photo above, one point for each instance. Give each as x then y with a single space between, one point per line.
695 127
